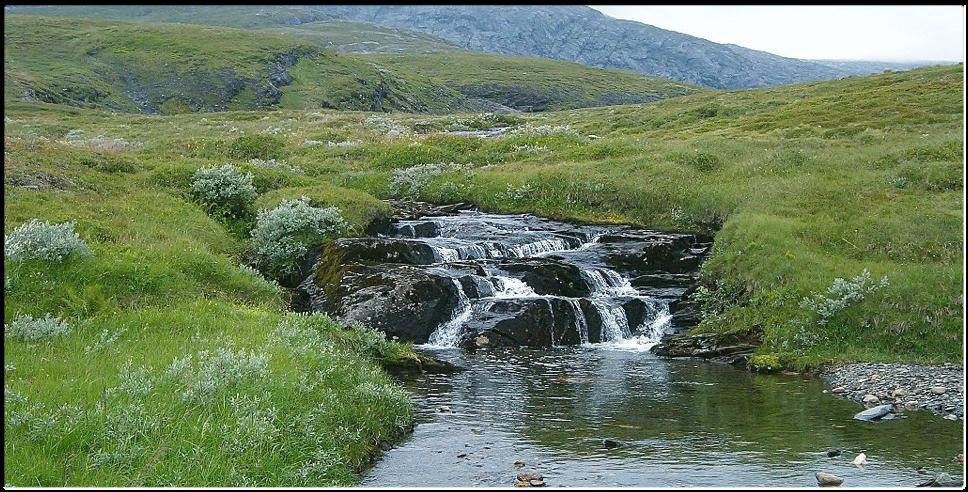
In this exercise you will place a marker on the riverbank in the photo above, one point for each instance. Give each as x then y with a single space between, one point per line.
938 389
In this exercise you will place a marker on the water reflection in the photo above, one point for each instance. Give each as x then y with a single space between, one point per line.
682 423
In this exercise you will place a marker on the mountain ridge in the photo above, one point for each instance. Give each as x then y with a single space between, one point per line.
570 33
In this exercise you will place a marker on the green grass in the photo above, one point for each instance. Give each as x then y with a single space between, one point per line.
536 83
94 407
169 68
801 185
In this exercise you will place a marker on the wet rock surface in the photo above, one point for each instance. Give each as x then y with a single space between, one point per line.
730 348
906 386
445 276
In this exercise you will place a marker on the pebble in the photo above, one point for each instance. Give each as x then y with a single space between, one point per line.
871 399
951 416
828 479
910 386
443 409
462 455
519 464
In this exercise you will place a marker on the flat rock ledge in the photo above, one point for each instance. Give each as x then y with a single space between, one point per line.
729 348
938 389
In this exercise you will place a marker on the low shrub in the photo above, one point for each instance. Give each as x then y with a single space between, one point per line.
226 191
44 241
840 295
406 183
257 147
25 327
283 235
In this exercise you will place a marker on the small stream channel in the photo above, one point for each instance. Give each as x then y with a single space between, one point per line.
552 323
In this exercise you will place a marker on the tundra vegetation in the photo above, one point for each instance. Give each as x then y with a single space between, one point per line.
138 352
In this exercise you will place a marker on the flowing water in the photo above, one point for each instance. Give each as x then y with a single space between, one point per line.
589 301
680 422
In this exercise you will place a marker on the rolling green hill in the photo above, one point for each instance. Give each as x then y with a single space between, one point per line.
537 84
173 68
175 365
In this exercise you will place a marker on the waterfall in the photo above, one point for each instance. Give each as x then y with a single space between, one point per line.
445 255
603 281
448 334
508 287
479 247
615 325
581 324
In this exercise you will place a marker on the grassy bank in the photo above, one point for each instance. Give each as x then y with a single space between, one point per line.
802 184
176 366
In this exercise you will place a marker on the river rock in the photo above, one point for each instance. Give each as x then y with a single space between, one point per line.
874 413
898 393
938 390
401 300
828 479
833 453
530 322
611 443
859 460
715 346
871 399
942 480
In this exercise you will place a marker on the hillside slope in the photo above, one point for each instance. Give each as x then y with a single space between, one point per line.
171 68
573 33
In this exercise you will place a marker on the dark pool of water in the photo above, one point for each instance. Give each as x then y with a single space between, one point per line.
681 422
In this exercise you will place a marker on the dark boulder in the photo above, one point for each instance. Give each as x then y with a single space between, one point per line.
401 300
548 276
537 322
383 250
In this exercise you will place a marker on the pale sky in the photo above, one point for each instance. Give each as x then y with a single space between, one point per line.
882 33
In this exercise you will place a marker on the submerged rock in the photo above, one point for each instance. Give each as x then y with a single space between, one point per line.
828 479
943 480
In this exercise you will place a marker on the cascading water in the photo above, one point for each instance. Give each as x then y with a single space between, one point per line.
459 243
448 334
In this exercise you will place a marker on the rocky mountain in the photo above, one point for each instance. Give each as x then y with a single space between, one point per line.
570 33
584 35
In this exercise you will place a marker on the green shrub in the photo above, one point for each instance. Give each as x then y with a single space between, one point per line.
257 147
226 191
700 161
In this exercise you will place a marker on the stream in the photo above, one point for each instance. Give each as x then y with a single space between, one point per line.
552 324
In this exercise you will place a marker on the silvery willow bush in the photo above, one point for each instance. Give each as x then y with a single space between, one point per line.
25 327
283 235
225 190
43 241
841 294
406 183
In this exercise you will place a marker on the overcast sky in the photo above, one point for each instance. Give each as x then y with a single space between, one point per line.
883 33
